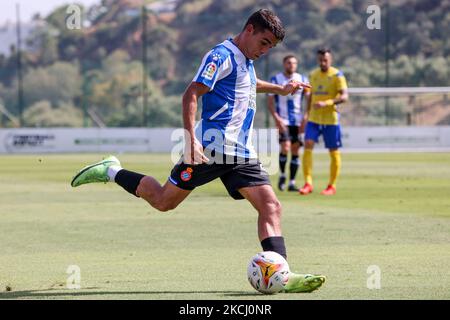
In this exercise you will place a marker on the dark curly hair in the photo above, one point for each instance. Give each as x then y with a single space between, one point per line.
322 51
265 19
289 56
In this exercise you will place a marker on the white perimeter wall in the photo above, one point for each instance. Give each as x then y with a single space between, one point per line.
165 139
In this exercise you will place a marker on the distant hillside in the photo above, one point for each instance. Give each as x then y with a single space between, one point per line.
105 56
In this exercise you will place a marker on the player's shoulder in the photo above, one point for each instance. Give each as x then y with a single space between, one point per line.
278 78
336 72
219 53
300 77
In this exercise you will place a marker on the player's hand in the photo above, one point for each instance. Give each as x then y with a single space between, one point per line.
193 153
292 86
301 128
320 104
280 125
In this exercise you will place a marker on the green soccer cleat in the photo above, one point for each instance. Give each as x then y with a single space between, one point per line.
97 172
303 283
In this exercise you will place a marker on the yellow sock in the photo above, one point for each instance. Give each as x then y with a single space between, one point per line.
335 167
307 165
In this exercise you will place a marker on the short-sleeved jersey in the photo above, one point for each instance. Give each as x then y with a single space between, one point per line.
289 107
228 109
325 85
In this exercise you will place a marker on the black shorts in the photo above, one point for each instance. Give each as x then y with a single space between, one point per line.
234 176
291 134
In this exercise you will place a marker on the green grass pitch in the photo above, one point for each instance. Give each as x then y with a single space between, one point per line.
391 210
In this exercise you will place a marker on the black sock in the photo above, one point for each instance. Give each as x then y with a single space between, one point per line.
128 180
275 244
283 160
295 163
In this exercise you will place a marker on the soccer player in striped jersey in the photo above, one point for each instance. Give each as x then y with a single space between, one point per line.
227 83
329 90
288 116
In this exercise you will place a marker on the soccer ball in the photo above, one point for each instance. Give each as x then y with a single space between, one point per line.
268 272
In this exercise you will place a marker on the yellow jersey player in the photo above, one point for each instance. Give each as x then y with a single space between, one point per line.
329 89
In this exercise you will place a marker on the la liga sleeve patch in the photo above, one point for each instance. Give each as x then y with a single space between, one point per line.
209 71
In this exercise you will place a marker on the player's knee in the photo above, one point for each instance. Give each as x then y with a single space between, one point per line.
277 207
285 147
295 149
309 144
272 209
165 206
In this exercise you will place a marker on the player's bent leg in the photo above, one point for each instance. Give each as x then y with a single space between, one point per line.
269 230
162 198
269 209
264 200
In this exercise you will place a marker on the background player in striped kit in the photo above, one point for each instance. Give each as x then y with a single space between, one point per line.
288 115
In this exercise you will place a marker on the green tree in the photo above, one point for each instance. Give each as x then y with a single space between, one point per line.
42 114
58 82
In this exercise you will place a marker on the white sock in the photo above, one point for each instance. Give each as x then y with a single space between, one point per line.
292 182
112 171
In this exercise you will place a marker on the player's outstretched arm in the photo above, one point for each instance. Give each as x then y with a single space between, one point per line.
290 88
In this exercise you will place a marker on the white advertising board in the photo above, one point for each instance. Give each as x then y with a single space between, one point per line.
56 140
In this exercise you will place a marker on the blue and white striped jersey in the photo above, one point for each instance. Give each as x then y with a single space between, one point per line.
229 107
289 107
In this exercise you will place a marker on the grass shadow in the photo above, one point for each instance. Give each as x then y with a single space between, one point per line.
55 293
